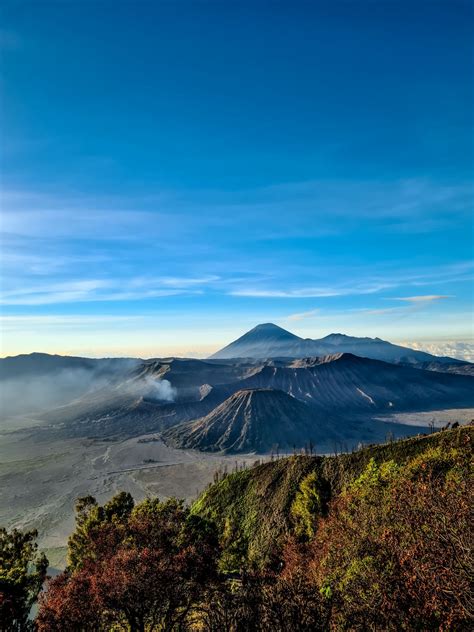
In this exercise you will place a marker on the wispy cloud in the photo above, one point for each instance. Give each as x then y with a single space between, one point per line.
428 298
311 292
412 304
302 315
371 284
41 264
302 209
92 290
262 244
186 282
69 321
381 311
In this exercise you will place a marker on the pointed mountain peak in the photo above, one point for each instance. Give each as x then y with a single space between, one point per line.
264 340
250 420
267 326
270 329
268 340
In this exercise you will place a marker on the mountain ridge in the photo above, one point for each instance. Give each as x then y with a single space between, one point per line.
259 526
269 340
155 394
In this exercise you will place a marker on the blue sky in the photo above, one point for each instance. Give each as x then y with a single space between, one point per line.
175 173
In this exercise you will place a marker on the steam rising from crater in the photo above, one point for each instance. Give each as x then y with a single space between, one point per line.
159 389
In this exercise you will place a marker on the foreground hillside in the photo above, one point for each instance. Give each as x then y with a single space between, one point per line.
380 539
257 502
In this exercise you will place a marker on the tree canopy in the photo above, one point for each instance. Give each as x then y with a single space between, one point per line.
22 573
142 567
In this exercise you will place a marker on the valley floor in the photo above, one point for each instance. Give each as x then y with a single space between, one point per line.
40 481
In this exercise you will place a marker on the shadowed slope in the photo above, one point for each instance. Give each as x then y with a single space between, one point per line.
263 341
347 382
252 420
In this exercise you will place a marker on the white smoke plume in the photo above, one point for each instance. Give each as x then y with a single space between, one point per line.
161 390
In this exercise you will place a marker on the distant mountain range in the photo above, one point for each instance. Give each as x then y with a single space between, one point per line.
268 389
270 341
323 399
336 395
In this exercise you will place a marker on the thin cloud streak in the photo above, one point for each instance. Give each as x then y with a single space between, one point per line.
309 292
429 298
440 275
92 290
70 321
401 203
303 315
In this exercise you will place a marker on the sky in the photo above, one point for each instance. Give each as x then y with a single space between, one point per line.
174 173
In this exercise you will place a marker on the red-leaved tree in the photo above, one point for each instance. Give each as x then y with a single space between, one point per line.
145 568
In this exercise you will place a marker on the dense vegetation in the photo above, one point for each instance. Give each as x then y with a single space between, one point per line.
22 573
258 504
376 540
